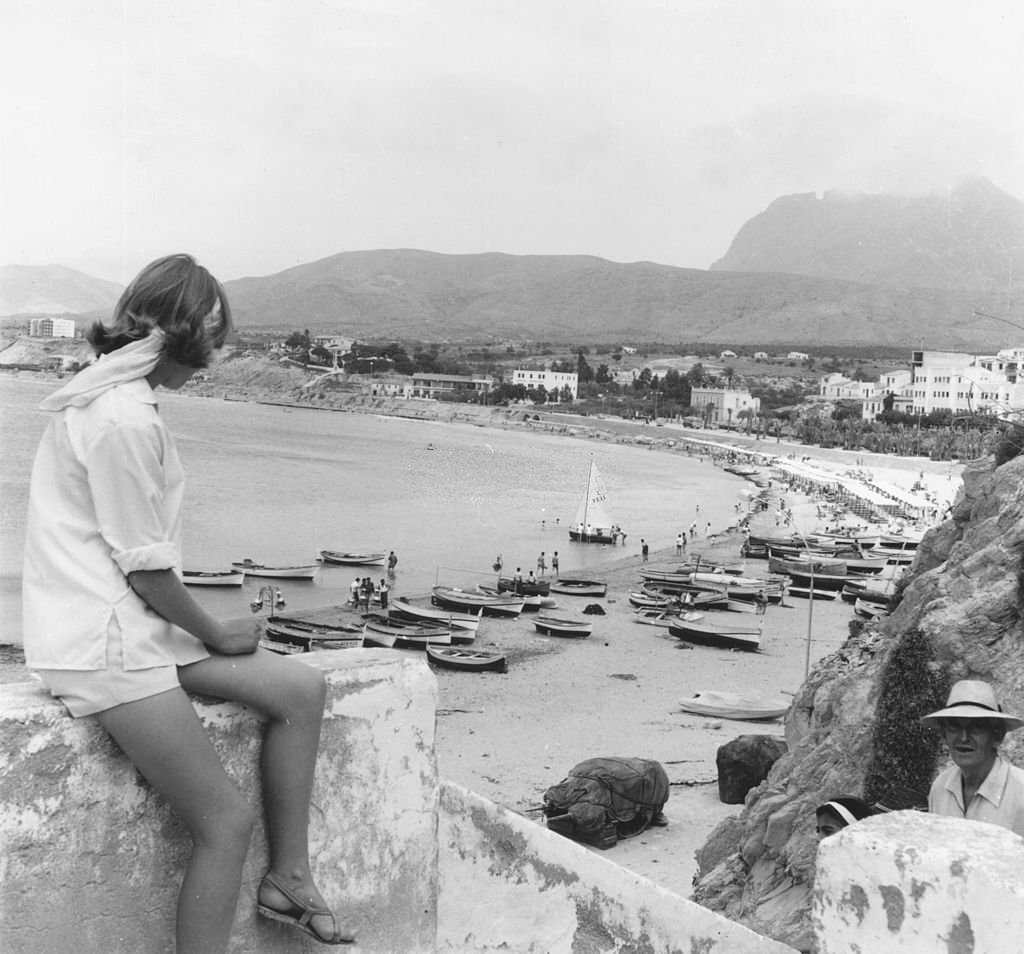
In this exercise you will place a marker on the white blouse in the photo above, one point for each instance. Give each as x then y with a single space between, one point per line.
105 500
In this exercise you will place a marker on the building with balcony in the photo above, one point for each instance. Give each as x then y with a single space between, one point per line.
552 381
425 385
723 406
952 381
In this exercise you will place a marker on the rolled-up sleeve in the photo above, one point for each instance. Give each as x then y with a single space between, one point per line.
127 483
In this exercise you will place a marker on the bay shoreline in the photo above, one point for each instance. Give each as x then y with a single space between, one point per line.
617 693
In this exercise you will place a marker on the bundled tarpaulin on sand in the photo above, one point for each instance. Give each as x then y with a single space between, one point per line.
605 799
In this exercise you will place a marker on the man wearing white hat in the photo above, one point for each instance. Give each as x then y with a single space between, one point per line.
980 785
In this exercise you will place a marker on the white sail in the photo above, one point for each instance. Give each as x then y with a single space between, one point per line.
591 515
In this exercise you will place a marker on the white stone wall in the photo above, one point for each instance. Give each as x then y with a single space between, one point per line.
507 884
912 883
91 858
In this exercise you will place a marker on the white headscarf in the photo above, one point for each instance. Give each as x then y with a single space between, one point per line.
128 363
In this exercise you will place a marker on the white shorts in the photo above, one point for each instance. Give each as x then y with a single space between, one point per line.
88 691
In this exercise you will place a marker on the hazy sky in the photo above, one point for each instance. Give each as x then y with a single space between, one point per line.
261 134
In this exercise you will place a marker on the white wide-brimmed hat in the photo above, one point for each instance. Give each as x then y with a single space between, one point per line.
973 699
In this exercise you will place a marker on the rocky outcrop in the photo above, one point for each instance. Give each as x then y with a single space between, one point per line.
853 727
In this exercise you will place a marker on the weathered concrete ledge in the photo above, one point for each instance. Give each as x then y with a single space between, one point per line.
509 884
909 882
91 858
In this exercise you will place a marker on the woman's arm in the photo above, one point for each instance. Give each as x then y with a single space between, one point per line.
163 592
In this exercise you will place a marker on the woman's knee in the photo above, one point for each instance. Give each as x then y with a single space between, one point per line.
304 692
229 824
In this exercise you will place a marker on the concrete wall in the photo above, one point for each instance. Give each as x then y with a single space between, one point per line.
91 859
913 883
509 884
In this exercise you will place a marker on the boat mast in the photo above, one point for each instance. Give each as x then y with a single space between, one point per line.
586 501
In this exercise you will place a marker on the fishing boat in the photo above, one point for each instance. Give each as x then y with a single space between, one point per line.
523 587
304 571
352 559
212 577
804 563
648 600
467 601
561 626
469 660
383 630
664 618
707 633
592 523
814 593
455 620
735 705
573 587
288 634
804 579
531 601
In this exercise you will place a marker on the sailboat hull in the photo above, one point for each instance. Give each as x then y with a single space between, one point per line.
595 536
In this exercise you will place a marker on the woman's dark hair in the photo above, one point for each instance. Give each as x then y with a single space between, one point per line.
855 806
177 295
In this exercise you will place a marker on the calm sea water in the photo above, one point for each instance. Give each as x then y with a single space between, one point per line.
278 485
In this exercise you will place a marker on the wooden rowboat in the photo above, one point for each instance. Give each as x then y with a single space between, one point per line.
469 622
303 571
469 660
352 559
560 626
287 635
663 618
468 600
707 633
736 705
404 633
212 577
570 587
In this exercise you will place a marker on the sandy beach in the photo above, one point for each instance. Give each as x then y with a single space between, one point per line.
617 693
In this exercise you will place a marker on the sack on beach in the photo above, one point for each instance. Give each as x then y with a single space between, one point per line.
605 799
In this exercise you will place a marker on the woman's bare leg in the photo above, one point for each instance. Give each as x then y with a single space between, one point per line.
291 695
166 742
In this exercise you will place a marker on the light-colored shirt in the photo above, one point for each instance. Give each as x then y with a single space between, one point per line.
999 801
104 501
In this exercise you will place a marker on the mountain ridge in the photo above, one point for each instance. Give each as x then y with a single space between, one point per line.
843 269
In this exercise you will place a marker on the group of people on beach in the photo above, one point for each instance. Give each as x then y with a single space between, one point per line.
362 591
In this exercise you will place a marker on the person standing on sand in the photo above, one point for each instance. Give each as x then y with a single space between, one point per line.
392 563
644 550
542 565
383 593
353 592
517 582
680 542
554 564
104 536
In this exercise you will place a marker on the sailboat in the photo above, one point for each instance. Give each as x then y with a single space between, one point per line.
592 523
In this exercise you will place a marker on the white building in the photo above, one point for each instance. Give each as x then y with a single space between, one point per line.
51 328
723 405
953 381
552 381
838 387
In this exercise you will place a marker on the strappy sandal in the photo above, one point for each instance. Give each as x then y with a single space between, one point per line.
300 915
